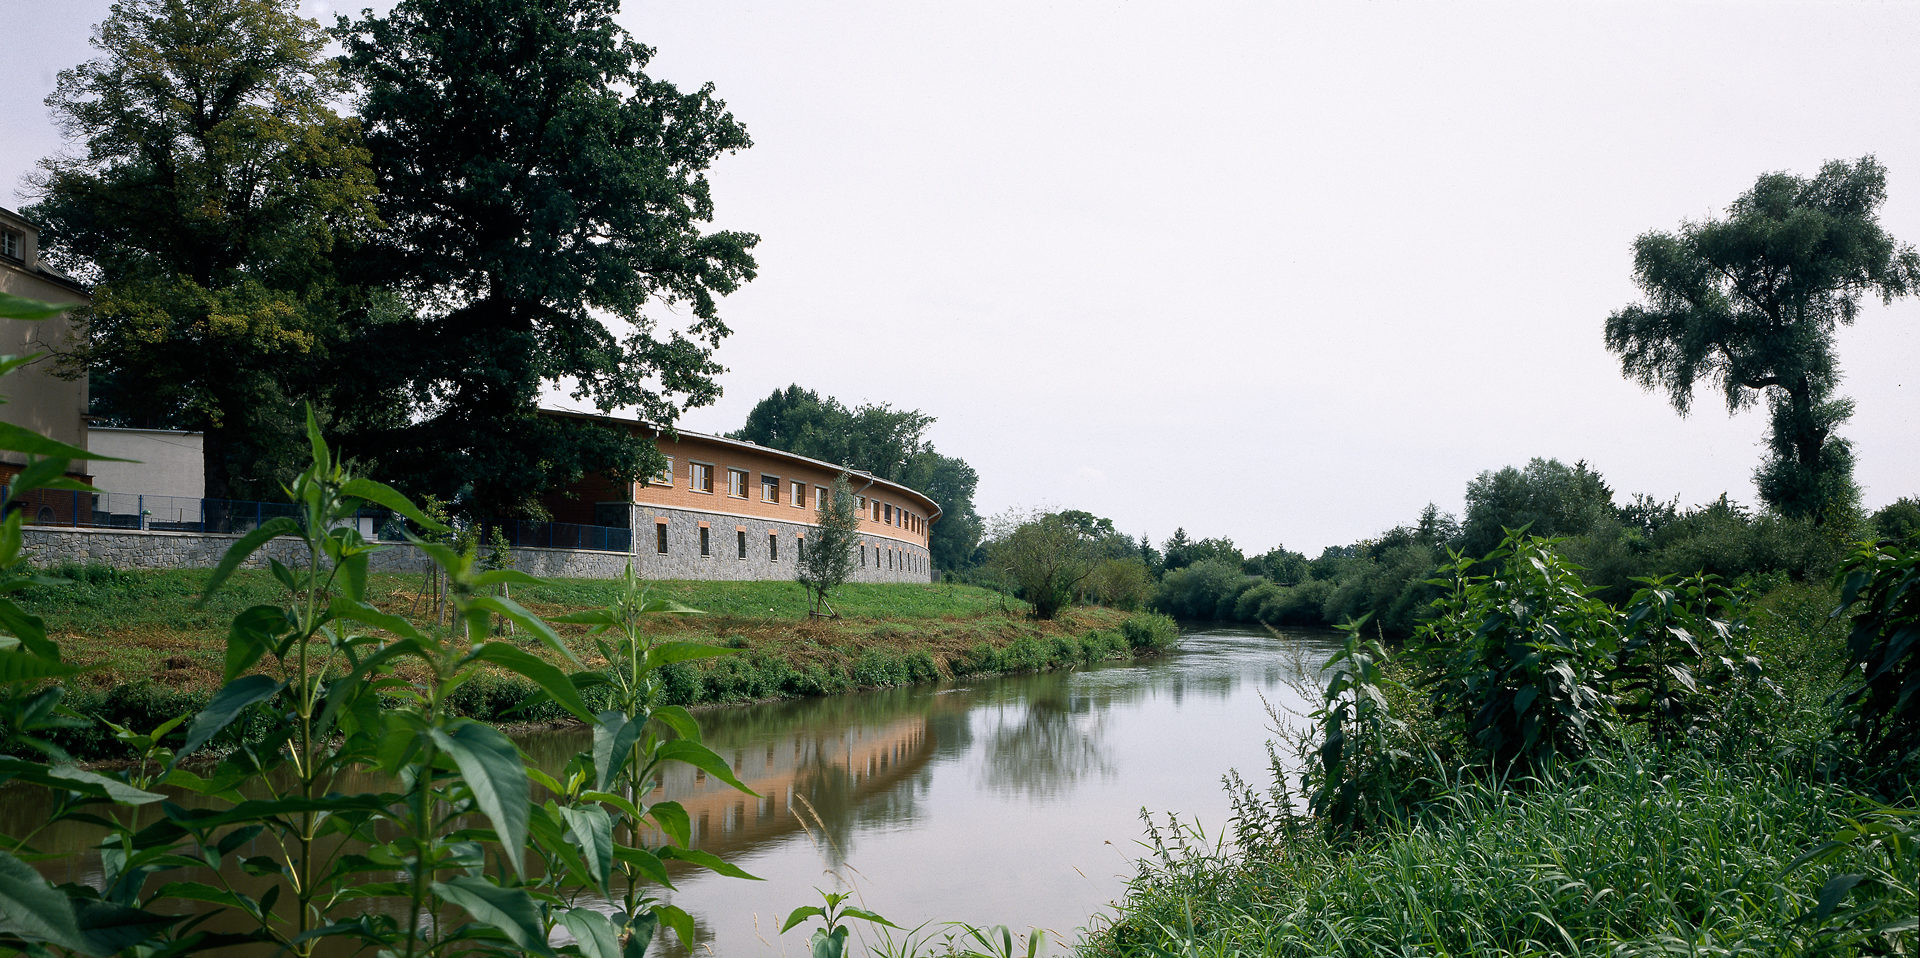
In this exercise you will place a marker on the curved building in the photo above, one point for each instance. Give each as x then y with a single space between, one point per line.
728 509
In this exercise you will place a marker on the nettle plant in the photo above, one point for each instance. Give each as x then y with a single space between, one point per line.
1518 654
450 853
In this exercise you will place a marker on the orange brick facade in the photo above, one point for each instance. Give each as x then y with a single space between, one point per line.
726 499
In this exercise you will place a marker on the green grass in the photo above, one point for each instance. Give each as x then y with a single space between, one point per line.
1617 856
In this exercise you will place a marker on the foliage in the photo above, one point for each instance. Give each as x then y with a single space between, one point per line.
830 939
887 442
1880 584
1749 305
1518 654
448 827
211 185
1899 520
1683 657
1548 498
1120 584
1360 766
1046 557
533 178
1203 590
827 560
1181 552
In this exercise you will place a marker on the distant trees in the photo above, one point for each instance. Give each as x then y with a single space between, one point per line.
211 187
826 561
1547 498
887 442
1749 305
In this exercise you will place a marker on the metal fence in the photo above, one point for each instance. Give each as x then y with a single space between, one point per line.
123 510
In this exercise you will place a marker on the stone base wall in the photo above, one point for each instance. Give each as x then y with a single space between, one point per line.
682 559
149 549
137 549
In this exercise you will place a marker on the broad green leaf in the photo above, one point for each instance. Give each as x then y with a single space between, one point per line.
237 553
550 679
646 862
113 929
799 915
36 911
366 614
21 439
493 577
43 473
701 757
706 860
382 494
593 832
680 720
594 932
30 629
227 704
114 788
251 637
613 739
588 617
20 307
512 612
491 766
673 821
677 919
18 665
669 607
509 910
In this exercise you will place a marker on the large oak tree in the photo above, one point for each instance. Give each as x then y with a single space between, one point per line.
1749 304
208 185
544 199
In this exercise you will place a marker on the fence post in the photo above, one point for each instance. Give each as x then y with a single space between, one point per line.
76 509
259 514
140 503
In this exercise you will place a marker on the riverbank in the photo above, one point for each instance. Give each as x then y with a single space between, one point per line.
1754 833
153 652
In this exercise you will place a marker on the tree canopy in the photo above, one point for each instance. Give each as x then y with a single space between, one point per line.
1748 305
542 194
211 187
887 442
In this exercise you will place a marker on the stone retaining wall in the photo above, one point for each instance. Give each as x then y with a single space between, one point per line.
885 560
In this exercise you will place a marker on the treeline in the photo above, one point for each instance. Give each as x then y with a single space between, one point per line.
1390 577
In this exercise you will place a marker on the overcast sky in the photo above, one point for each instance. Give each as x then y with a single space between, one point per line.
1280 272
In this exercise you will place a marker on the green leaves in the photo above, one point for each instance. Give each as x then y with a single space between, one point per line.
491 769
227 704
33 910
509 911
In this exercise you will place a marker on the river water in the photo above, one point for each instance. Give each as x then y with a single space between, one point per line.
1011 800
999 801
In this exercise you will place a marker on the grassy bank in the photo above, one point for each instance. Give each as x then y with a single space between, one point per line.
1761 827
154 653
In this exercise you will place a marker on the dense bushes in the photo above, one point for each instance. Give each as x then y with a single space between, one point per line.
1546 773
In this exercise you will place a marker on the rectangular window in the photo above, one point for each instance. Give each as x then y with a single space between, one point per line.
706 541
737 483
742 533
12 245
863 555
660 537
820 498
769 488
799 495
887 510
773 547
861 501
700 477
800 548
664 477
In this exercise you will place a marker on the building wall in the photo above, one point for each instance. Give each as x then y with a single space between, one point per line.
164 462
134 549
36 398
894 527
887 560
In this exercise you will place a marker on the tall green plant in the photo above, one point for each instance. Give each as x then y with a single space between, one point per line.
1361 762
1682 658
1518 654
433 859
1880 584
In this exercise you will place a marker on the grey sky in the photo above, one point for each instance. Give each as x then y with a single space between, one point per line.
1278 272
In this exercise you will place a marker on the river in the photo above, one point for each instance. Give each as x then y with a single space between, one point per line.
1012 800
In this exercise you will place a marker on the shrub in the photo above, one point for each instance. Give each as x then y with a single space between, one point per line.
1881 584
1149 632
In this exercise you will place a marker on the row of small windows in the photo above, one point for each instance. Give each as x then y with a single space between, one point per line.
739 482
895 558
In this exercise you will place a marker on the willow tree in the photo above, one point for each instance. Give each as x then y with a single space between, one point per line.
544 198
208 186
1748 305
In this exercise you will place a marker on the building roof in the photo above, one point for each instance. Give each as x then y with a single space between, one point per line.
742 444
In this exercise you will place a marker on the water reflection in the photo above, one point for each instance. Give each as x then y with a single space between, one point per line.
1010 800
